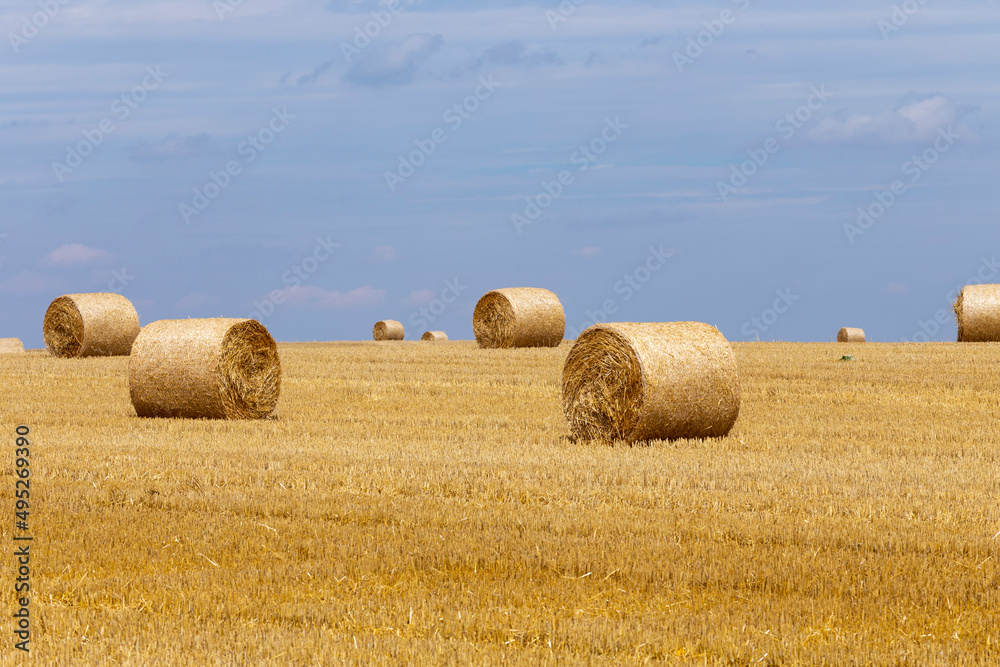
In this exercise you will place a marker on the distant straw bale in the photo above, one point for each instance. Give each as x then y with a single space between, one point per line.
11 346
388 330
978 313
90 325
434 335
647 381
519 317
851 335
205 368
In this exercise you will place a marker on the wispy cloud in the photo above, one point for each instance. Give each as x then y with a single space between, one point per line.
173 146
317 298
395 63
913 121
76 254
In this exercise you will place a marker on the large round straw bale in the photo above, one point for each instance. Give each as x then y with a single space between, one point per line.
654 381
388 330
90 325
434 335
978 313
519 317
11 346
211 368
851 335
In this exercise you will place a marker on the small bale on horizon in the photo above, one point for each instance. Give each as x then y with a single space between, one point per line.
90 325
519 317
11 346
851 335
977 311
434 336
388 330
650 381
222 368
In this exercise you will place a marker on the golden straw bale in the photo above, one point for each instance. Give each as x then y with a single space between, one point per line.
205 368
434 335
90 325
11 346
851 335
519 317
649 381
978 313
388 330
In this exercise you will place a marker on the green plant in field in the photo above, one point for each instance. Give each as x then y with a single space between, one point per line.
847 357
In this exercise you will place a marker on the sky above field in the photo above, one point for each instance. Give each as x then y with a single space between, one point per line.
774 169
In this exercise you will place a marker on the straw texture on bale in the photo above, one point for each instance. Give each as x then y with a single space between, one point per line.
90 325
650 381
978 313
519 317
434 335
11 346
205 368
388 330
851 335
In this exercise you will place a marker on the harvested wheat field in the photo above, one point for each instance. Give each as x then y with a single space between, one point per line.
425 504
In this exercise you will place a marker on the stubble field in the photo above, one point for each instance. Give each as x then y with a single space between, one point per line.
424 503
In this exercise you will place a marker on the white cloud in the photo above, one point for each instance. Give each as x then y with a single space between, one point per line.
385 253
420 297
316 298
76 254
588 251
395 63
30 283
913 122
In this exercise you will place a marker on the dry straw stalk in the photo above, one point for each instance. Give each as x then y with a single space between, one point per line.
434 335
519 317
650 381
11 346
388 330
978 313
851 335
90 325
205 368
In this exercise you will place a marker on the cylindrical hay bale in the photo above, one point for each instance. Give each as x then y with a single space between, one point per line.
388 330
851 335
519 317
434 335
205 368
90 325
978 313
654 381
11 346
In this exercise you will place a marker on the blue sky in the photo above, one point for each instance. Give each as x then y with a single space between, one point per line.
647 162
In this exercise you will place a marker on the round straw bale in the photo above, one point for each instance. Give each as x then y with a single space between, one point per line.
205 368
978 313
11 346
388 330
519 317
650 381
434 335
90 325
851 335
